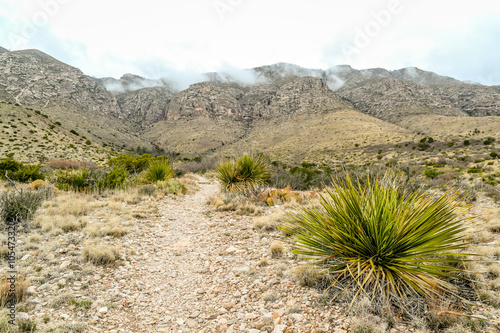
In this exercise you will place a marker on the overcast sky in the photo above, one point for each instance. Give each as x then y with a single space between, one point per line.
165 38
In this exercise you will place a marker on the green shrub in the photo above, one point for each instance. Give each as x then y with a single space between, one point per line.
158 171
113 178
246 174
8 165
383 240
135 164
19 207
27 325
81 180
74 132
466 142
422 146
20 172
431 173
27 174
475 170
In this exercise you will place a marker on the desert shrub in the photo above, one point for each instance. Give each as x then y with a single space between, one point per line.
158 171
148 190
475 170
19 207
82 180
281 178
20 172
432 173
27 173
136 164
172 186
381 239
245 175
8 165
113 178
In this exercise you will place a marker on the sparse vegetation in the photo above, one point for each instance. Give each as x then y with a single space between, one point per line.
244 175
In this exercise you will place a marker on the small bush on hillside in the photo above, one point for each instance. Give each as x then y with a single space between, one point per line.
245 175
384 241
19 207
158 171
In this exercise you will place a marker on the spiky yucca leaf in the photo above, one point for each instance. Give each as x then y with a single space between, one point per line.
158 171
383 240
244 175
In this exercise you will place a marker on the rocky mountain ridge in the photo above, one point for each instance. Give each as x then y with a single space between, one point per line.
278 94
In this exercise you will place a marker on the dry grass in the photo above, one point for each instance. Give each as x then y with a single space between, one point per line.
238 204
99 254
494 225
307 275
69 204
111 228
271 221
66 223
277 249
20 285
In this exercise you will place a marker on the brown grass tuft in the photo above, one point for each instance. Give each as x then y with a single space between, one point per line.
99 254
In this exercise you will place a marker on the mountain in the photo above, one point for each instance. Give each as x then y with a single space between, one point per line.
2 50
282 109
36 80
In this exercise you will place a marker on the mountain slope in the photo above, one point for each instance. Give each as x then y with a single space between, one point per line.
34 79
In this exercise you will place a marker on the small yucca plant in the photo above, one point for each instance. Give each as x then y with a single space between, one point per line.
158 171
383 241
245 175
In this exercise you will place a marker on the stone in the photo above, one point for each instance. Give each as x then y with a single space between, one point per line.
65 264
231 249
297 317
44 286
104 309
191 323
228 305
279 329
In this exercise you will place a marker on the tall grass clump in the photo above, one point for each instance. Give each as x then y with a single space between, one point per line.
245 175
158 171
384 242
20 207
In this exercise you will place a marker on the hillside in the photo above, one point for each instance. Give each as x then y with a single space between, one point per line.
31 136
33 79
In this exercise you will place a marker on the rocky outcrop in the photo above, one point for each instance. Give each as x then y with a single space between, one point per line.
145 106
290 96
390 99
32 78
203 100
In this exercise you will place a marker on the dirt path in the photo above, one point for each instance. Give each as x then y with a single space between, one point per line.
198 271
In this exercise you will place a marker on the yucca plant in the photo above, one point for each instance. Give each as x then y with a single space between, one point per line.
380 240
244 175
158 171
